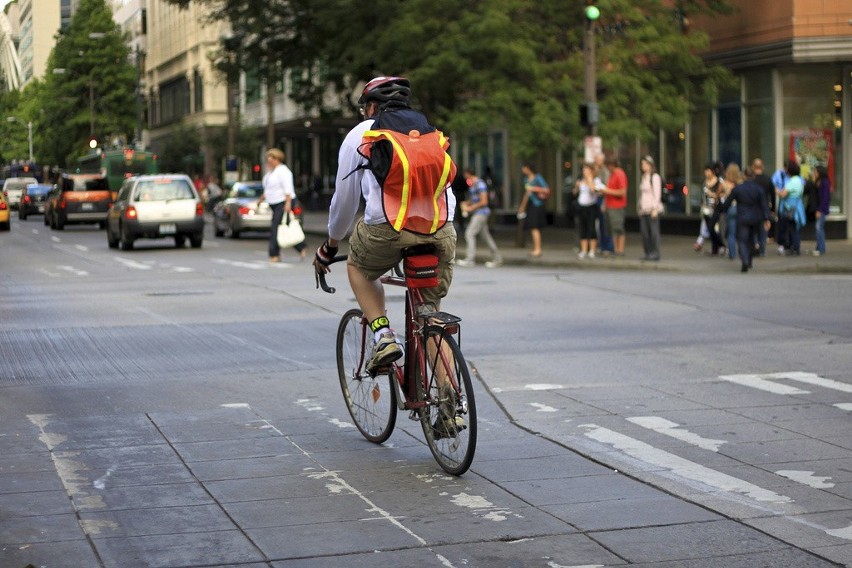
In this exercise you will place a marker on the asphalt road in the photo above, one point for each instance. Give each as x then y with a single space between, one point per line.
179 407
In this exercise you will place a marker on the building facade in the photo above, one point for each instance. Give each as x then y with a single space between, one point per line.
39 22
793 99
181 85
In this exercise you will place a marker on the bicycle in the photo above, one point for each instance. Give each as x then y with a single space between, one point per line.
432 381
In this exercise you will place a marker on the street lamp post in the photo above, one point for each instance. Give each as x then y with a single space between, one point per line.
29 132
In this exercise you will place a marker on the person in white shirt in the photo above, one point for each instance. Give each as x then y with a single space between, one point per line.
280 193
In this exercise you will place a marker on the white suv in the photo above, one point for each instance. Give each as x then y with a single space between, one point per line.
14 187
154 207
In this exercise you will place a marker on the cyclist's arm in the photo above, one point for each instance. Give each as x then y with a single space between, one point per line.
347 191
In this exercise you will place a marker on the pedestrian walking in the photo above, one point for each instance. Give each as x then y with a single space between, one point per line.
752 213
531 211
476 209
791 211
822 209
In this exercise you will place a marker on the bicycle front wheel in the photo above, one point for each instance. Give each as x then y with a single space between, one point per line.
449 417
371 400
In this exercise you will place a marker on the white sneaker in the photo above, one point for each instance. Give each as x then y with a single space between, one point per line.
781 250
591 254
493 263
581 255
816 253
464 262
385 351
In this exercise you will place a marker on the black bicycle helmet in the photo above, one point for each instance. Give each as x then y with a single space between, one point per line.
384 90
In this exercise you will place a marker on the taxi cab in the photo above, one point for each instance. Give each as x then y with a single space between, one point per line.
4 213
81 198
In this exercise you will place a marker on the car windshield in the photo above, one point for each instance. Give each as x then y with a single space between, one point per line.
253 191
163 190
18 183
85 184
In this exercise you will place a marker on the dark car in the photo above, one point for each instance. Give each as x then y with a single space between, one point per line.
33 200
81 198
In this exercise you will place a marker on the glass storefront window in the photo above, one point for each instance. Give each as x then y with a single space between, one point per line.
811 131
760 119
700 137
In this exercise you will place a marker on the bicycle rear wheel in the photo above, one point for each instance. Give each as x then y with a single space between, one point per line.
449 418
371 400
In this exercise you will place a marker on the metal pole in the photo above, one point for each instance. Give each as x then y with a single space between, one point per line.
590 78
91 108
30 136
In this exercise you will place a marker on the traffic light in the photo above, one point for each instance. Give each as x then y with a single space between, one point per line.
255 170
591 11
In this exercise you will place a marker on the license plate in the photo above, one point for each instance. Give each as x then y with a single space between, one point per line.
87 206
167 229
41 208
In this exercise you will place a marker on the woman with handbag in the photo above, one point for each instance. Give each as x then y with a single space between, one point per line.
280 193
791 211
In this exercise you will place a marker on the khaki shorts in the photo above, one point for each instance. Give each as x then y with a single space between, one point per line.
615 220
375 249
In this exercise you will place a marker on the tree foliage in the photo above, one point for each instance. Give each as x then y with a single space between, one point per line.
96 74
479 65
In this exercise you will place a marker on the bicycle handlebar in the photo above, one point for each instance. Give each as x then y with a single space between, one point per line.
320 277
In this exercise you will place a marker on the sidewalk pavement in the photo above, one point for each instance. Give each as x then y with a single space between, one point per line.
559 250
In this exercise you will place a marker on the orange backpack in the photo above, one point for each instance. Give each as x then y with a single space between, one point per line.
414 172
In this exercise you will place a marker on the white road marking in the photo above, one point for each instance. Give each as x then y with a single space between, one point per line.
764 382
671 429
81 247
256 265
56 239
133 264
534 387
681 467
235 405
845 533
309 405
72 270
806 478
481 506
542 407
844 406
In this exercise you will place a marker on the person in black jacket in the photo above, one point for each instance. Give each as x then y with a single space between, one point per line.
764 181
752 214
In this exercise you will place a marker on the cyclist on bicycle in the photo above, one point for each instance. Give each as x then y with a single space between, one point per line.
374 245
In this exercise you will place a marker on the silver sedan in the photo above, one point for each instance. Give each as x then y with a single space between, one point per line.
239 212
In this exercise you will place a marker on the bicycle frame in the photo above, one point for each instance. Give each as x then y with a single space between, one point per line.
416 351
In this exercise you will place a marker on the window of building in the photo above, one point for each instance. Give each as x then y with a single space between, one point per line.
174 100
760 118
811 132
729 116
198 90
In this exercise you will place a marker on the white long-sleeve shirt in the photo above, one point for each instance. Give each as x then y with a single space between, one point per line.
348 192
278 184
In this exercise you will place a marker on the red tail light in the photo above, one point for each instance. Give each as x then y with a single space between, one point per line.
62 203
297 210
244 210
199 209
27 199
130 213
3 206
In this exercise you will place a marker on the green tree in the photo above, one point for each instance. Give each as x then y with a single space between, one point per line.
182 151
89 86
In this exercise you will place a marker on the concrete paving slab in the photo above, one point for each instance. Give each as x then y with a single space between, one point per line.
172 551
805 449
128 456
571 550
89 432
268 446
32 481
843 441
385 456
242 468
790 557
630 513
26 463
545 467
326 539
841 554
421 557
145 497
686 541
262 488
839 427
48 528
298 511
789 409
704 417
20 441
36 504
180 433
156 521
593 488
810 530
120 476
839 470
61 554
